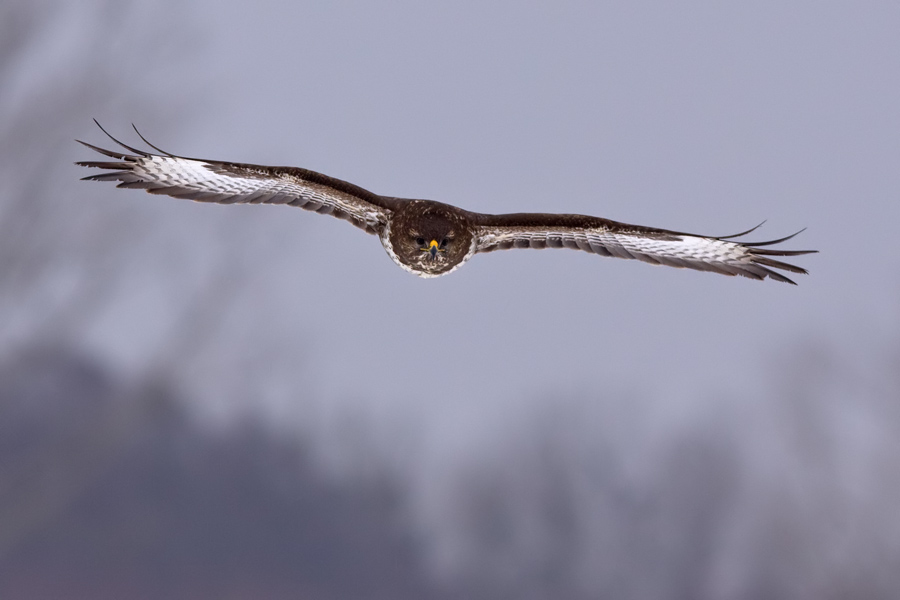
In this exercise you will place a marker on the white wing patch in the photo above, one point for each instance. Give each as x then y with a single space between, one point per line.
198 175
236 183
652 246
228 185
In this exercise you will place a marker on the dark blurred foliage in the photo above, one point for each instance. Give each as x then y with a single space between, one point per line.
792 495
111 491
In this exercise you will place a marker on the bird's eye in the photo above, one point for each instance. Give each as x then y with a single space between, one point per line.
420 241
444 243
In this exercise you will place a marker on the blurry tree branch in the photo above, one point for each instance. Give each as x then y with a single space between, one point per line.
63 258
45 233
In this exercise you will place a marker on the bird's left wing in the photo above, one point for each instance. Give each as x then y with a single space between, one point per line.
239 183
656 246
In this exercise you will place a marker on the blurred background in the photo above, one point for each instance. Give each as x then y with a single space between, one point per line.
205 401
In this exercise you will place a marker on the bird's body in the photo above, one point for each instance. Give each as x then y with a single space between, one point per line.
429 238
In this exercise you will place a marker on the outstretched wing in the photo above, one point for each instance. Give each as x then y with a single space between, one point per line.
238 183
656 246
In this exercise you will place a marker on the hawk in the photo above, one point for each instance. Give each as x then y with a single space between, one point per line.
429 238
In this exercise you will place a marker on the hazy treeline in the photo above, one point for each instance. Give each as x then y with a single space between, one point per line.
110 488
112 491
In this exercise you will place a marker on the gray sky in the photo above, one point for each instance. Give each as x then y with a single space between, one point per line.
700 118
706 119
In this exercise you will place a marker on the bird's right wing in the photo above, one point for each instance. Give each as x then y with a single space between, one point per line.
239 183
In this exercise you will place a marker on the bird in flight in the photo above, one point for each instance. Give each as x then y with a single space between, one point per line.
429 238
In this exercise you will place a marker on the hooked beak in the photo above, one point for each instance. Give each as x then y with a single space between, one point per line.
433 249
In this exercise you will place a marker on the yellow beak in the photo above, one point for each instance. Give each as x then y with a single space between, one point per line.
433 248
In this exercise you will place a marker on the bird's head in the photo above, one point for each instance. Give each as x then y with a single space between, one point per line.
429 238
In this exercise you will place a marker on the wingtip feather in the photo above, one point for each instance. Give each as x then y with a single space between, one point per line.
124 145
158 149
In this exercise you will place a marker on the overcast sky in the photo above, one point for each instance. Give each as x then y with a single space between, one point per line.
701 118
695 117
